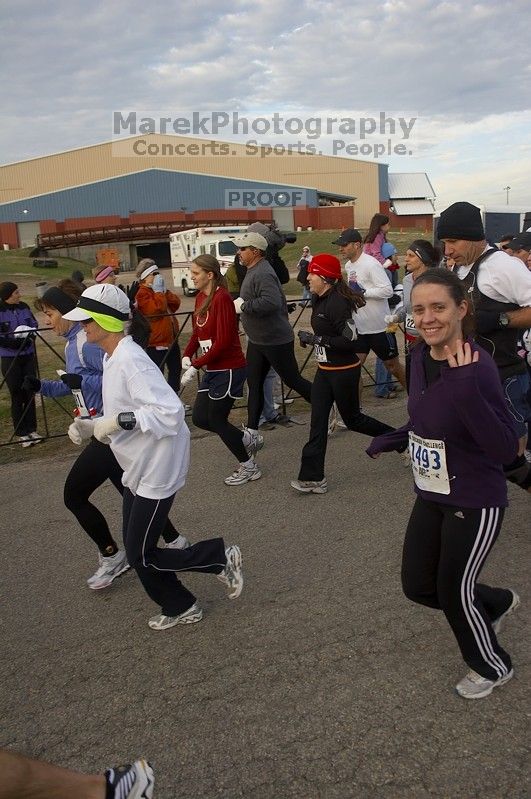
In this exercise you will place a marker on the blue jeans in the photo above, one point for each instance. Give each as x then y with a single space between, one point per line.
384 380
268 411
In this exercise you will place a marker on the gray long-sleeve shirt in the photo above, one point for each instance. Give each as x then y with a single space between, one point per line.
265 313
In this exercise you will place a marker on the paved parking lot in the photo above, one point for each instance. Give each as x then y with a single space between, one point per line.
322 680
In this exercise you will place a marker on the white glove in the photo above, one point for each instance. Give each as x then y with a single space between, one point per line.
81 430
186 362
390 318
104 426
23 331
158 284
238 304
188 375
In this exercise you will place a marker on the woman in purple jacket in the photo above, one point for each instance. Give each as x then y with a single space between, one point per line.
459 434
17 356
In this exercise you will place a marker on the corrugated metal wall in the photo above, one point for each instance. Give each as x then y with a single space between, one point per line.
343 176
145 192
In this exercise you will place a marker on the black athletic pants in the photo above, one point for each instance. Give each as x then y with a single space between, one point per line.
94 465
23 411
281 357
213 414
143 522
171 359
444 551
339 386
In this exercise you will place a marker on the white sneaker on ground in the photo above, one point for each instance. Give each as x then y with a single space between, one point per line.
244 474
190 616
252 442
132 781
310 486
497 623
35 437
26 441
178 543
474 686
108 570
232 575
278 403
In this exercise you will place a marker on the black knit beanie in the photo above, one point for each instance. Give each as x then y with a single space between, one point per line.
7 289
55 298
461 221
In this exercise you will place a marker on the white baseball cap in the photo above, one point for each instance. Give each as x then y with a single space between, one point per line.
251 240
102 298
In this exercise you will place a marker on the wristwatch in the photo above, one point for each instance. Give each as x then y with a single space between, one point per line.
127 420
503 320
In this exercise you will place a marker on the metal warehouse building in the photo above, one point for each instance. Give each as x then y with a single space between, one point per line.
84 196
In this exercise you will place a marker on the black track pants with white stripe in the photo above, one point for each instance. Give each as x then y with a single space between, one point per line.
143 522
444 551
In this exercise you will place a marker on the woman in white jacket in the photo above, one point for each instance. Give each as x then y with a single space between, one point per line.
143 422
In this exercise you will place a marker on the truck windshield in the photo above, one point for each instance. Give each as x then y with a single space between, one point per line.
227 248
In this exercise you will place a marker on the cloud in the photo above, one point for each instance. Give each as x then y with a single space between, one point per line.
452 65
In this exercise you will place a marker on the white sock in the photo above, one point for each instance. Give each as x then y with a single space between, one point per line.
248 464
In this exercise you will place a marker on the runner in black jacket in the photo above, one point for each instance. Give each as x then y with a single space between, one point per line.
338 373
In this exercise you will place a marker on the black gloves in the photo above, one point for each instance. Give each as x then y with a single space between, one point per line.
291 306
394 300
305 338
72 380
31 383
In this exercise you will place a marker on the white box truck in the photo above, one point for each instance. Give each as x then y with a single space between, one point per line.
188 244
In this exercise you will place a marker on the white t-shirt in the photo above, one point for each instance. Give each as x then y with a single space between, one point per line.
371 276
155 456
502 277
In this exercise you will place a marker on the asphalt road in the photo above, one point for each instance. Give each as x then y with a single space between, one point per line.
321 681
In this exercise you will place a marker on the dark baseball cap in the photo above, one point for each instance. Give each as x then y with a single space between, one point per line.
520 242
349 235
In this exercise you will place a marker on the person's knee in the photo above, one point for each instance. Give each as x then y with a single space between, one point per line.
200 418
413 591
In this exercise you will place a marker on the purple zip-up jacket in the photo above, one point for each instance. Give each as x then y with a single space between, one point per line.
464 407
11 316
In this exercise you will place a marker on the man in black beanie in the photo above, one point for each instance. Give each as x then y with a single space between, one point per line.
499 288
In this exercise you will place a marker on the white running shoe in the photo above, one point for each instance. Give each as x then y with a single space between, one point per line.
190 616
497 623
35 437
26 441
133 781
178 543
244 474
232 575
252 442
310 486
474 686
108 570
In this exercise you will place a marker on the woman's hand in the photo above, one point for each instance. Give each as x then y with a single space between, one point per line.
463 356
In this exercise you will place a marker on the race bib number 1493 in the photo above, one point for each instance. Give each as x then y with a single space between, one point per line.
428 461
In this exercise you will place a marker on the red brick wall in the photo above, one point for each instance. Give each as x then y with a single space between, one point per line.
336 217
87 222
9 234
423 222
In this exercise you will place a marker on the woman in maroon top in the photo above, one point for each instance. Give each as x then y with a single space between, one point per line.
215 347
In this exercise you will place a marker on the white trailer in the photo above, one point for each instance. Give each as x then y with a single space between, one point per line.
188 244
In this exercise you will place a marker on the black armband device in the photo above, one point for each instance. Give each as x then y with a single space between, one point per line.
127 420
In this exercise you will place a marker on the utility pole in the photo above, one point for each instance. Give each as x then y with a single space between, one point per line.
507 189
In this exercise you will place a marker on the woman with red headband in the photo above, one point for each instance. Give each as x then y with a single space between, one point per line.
338 367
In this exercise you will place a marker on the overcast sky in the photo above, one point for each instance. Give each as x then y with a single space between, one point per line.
462 72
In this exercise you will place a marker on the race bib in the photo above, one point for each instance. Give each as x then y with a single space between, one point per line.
428 461
205 345
320 354
410 322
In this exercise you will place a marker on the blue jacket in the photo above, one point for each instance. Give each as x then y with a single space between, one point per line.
11 316
83 359
466 408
